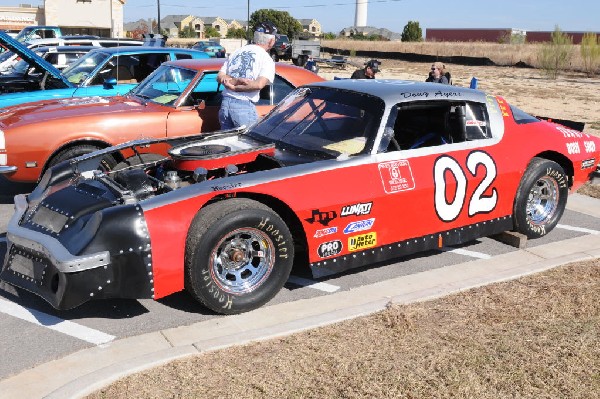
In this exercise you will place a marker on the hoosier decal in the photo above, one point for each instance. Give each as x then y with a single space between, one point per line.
363 241
396 176
363 208
330 248
588 163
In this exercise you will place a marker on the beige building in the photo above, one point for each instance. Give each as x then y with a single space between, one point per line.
311 26
173 24
91 17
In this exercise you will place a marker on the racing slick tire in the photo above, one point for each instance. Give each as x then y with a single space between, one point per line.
541 198
239 253
107 163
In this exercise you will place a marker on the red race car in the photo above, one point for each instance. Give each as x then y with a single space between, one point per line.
340 174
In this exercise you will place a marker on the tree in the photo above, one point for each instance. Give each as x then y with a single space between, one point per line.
239 33
554 56
329 36
590 53
187 32
412 32
285 23
209 31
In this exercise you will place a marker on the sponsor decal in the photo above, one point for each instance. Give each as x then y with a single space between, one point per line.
396 176
588 163
590 146
321 217
570 133
363 241
330 248
229 186
476 123
362 208
360 225
325 232
573 148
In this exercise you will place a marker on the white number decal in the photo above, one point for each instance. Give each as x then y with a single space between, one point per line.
590 146
573 148
478 203
448 211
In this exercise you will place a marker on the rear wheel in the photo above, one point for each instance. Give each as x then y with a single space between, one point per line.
274 56
541 198
239 253
107 163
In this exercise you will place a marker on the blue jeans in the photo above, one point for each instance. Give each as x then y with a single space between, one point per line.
235 113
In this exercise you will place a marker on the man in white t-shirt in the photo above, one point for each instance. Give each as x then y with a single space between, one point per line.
247 70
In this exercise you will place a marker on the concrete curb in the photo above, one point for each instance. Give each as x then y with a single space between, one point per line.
86 371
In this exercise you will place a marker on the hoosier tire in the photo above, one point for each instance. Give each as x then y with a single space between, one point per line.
541 198
239 253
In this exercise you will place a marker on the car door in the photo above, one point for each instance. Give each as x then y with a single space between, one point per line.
440 175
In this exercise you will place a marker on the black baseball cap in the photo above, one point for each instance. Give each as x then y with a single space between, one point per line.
374 65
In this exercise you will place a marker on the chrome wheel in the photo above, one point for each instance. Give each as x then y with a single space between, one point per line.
242 260
542 201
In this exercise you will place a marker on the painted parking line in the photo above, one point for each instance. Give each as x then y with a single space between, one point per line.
465 252
305 282
54 323
579 229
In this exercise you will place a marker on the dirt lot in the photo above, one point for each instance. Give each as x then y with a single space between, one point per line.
537 337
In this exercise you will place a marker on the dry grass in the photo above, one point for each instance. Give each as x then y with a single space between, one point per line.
590 190
536 337
500 54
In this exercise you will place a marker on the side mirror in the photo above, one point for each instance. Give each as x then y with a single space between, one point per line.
201 105
109 83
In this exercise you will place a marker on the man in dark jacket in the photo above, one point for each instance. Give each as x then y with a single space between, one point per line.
368 72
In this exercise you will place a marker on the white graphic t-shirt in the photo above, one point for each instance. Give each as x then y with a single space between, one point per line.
249 62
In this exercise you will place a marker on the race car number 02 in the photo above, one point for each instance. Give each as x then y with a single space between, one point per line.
478 203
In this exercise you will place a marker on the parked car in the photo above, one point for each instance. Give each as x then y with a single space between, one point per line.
9 58
341 174
282 49
37 135
101 72
24 77
212 48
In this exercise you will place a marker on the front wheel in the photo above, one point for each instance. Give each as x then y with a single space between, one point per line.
239 253
107 163
541 198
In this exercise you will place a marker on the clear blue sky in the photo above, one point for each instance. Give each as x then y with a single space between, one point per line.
334 15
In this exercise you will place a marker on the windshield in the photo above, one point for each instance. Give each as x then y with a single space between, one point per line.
165 85
328 121
79 71
5 55
20 67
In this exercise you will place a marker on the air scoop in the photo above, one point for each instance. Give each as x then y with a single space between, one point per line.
215 156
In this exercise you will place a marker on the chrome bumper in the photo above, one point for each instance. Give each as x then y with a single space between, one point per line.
8 169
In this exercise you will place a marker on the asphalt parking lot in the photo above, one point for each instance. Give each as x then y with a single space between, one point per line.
33 333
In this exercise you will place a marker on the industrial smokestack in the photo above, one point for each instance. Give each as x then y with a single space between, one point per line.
360 18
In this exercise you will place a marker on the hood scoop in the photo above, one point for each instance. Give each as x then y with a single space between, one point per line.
191 156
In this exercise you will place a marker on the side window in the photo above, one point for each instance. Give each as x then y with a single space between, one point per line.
119 67
71 57
52 58
278 90
145 64
476 122
182 56
426 124
207 89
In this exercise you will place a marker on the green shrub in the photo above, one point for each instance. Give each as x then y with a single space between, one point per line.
590 53
555 56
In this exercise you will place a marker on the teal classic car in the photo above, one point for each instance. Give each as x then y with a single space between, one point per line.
101 72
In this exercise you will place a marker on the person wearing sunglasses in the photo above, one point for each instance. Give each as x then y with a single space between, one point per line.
438 74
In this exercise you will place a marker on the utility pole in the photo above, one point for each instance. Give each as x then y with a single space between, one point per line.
158 27
248 24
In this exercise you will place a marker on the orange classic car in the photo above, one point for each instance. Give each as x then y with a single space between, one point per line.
180 98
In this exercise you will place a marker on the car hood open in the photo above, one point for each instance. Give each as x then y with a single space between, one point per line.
31 57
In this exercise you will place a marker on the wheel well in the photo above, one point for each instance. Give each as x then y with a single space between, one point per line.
562 160
288 216
98 143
